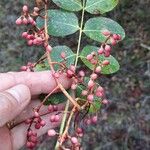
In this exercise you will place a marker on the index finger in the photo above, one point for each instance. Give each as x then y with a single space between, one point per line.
38 82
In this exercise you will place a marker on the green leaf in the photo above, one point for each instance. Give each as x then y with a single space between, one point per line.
94 27
55 56
109 69
100 6
54 99
95 106
71 5
60 23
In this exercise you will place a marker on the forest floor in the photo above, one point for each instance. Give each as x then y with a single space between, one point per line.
125 123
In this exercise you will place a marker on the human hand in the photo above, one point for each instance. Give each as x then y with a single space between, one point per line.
16 92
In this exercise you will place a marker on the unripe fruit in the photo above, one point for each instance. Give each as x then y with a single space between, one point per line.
25 8
105 62
51 132
98 69
74 140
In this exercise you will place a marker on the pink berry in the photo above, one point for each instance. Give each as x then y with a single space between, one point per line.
36 114
27 121
50 108
89 57
19 21
98 69
25 8
56 75
42 123
90 97
73 86
23 68
74 140
69 73
36 9
100 51
82 73
25 21
49 48
105 62
57 118
55 107
84 92
93 76
51 132
107 48
24 34
63 55
33 139
113 41
106 32
91 84
105 101
106 53
79 130
72 68
52 118
94 119
30 42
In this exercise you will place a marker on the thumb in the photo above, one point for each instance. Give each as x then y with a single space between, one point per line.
12 102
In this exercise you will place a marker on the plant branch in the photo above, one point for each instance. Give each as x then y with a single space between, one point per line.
80 33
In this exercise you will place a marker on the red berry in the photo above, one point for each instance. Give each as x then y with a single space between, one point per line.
113 41
52 118
82 73
37 126
50 108
94 119
93 76
25 21
23 68
57 118
42 123
36 9
89 57
30 42
36 114
73 86
84 92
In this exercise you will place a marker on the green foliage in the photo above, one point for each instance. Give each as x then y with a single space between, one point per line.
56 56
94 27
60 23
109 69
71 5
100 6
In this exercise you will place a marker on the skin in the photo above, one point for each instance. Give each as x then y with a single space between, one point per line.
18 92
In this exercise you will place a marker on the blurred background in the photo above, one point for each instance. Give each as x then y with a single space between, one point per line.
125 123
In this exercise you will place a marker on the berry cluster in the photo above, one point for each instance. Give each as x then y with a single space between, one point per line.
87 90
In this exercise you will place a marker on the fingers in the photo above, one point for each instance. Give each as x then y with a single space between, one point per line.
18 134
38 82
12 102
